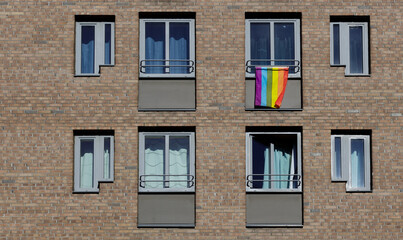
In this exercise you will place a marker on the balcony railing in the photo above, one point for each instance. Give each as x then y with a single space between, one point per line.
166 180
291 178
250 64
189 64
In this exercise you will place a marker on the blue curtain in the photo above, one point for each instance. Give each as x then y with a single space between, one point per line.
155 46
337 152
284 44
356 50
336 44
107 44
179 46
87 49
260 43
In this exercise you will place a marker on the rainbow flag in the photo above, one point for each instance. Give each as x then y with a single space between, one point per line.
270 86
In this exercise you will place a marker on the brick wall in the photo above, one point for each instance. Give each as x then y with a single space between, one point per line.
42 103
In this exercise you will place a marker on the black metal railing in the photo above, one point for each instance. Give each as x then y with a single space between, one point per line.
166 179
251 64
292 178
144 64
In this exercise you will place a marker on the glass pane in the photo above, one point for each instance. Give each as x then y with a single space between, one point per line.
179 161
155 46
336 44
87 49
337 156
107 44
107 157
154 160
284 44
356 50
259 44
179 47
87 163
260 162
357 163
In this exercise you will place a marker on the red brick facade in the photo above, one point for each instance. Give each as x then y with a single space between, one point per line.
43 102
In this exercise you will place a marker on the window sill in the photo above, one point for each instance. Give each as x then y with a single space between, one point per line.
168 191
85 191
162 225
273 109
167 109
275 191
357 75
264 225
87 75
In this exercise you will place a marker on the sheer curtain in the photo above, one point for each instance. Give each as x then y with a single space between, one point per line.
357 163
178 160
107 149
87 49
86 163
154 160
179 46
282 165
155 46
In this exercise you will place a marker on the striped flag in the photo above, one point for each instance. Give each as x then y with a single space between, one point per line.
270 86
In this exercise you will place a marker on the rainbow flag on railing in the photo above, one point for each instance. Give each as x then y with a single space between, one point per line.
270 86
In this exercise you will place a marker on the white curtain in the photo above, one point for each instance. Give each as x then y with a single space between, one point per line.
86 175
154 165
106 164
282 165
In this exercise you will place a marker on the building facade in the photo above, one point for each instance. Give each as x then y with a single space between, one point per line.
138 119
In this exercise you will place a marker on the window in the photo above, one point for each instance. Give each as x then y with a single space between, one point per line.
351 161
167 48
273 161
349 46
95 44
167 162
93 162
273 42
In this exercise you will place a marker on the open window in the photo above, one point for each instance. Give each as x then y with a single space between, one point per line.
273 161
273 177
93 159
95 44
349 46
351 161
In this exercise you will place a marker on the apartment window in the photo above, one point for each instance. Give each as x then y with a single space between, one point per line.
273 42
167 47
349 45
167 162
93 161
273 161
95 44
351 161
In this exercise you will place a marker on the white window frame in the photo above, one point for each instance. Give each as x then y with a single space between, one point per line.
191 136
98 167
249 160
344 42
346 174
297 39
99 58
191 47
